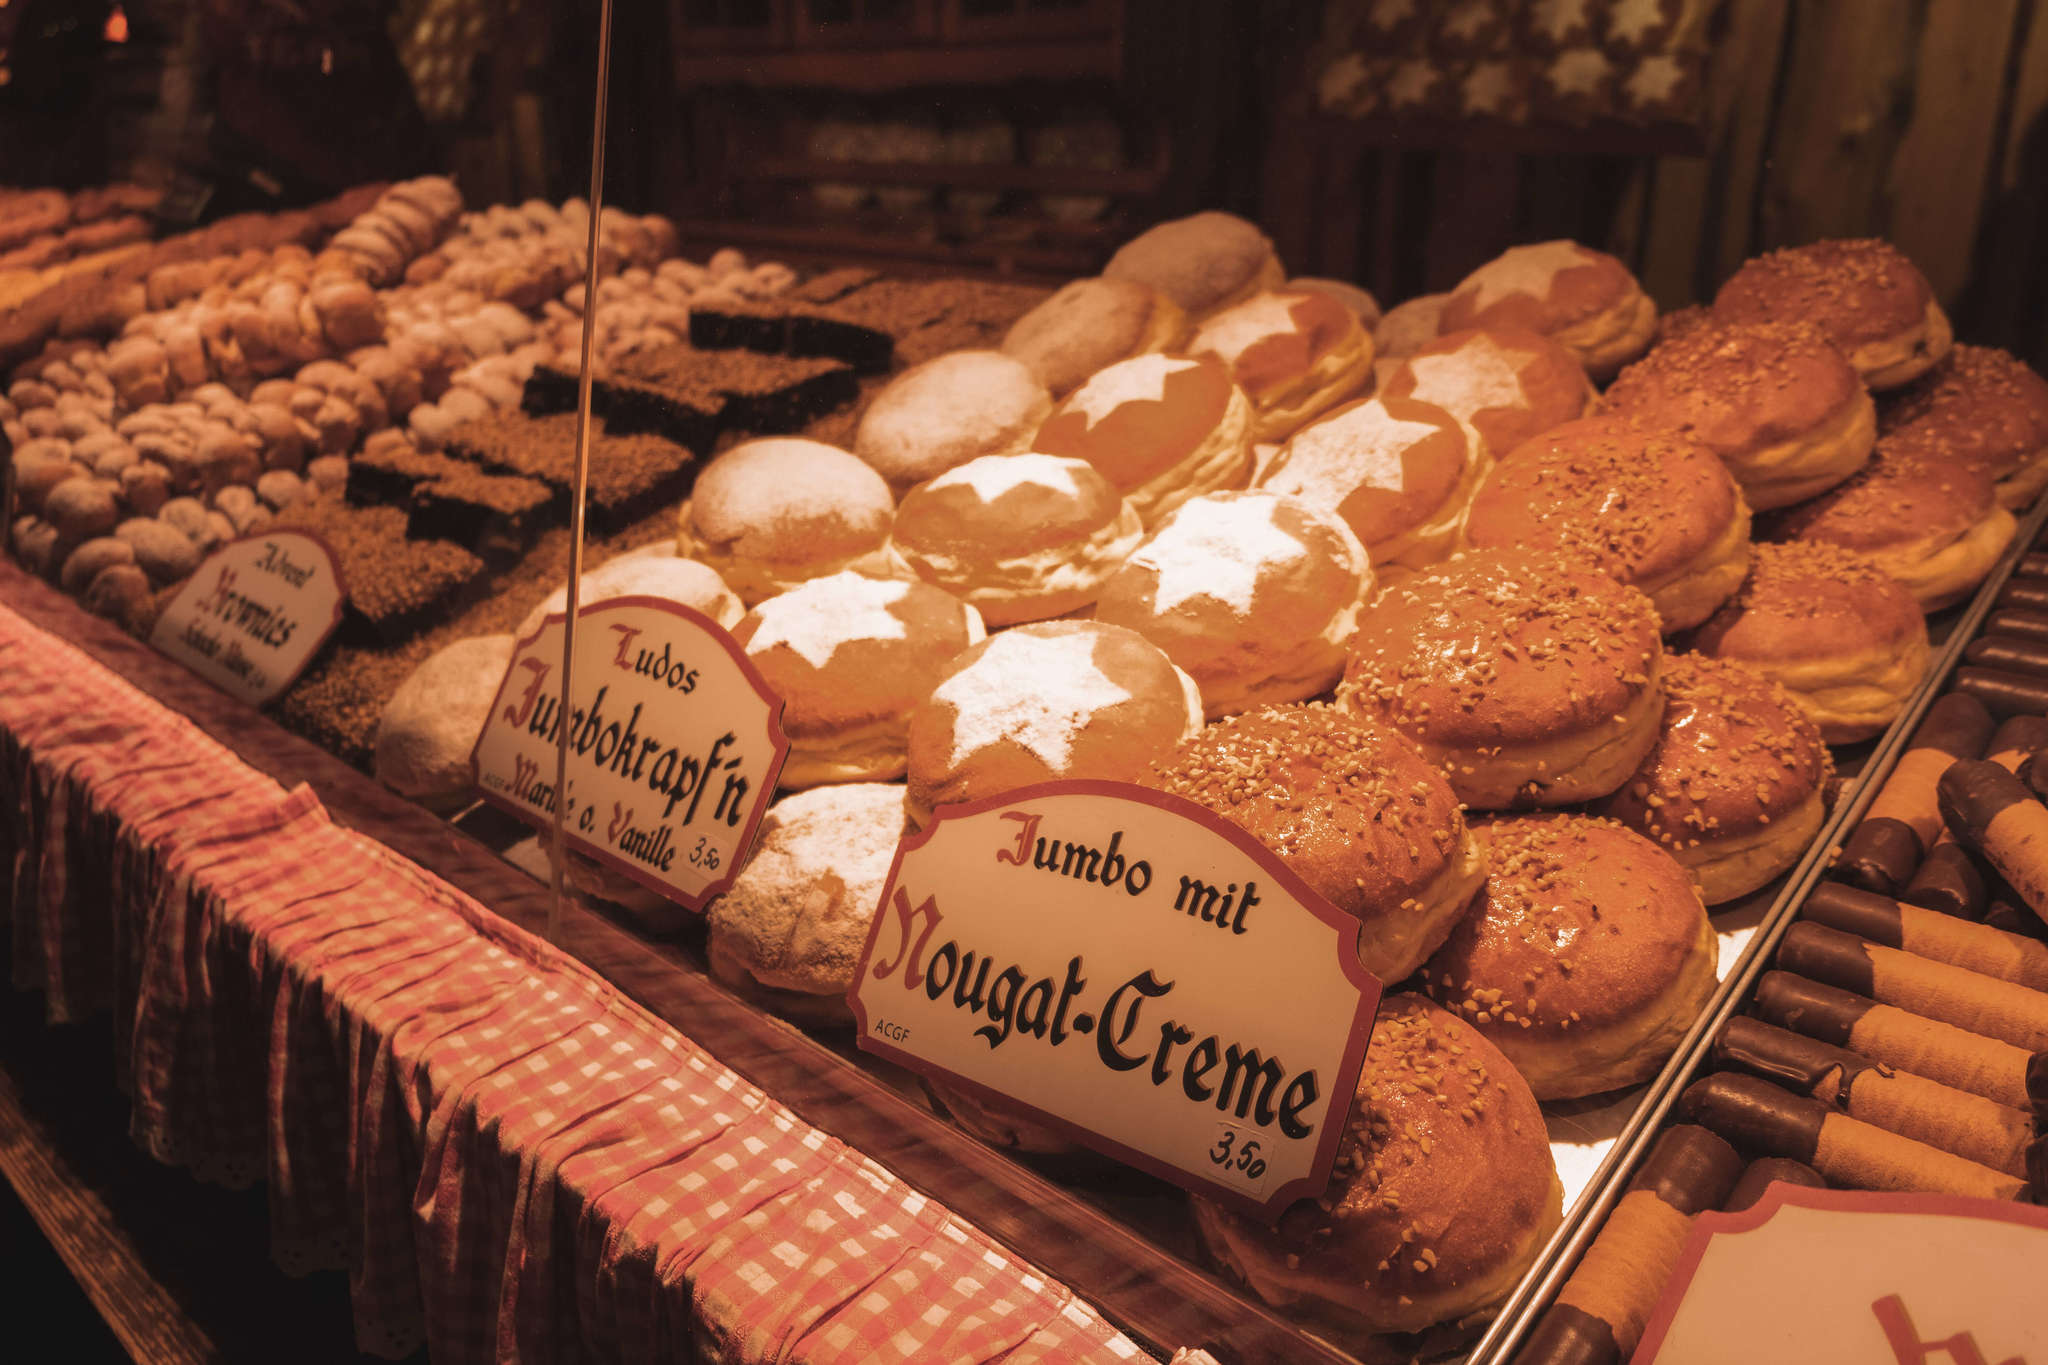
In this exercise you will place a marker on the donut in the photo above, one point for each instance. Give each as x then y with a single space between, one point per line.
430 726
1652 507
788 935
1529 678
1982 407
949 410
1295 355
1443 1194
1777 401
1162 429
1583 299
1204 263
850 656
769 514
1399 472
1089 325
1737 784
640 574
1407 327
1872 302
1253 595
1509 384
1587 959
1048 700
1020 537
1362 304
1352 808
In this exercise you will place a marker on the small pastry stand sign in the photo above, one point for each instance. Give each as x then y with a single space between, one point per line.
675 742
1828 1276
1129 970
252 616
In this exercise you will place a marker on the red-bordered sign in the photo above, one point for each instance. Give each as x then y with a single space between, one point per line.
253 615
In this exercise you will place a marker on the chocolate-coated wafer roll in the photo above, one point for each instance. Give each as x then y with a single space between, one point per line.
1933 990
1971 1126
1992 811
1902 823
2004 692
2015 653
2007 915
2017 739
1760 1117
1949 882
1765 1172
2031 625
1925 933
2033 774
2032 565
2023 594
1884 1033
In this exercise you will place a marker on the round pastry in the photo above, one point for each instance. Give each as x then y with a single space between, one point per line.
1985 408
1653 508
1021 537
850 656
949 410
1294 354
788 935
1408 327
1442 1196
769 514
639 574
1254 595
1736 785
1362 304
1089 325
1528 678
1933 524
1776 401
1400 473
1844 638
1587 959
431 724
1353 809
1509 384
1162 429
1051 699
1584 299
1872 302
1203 263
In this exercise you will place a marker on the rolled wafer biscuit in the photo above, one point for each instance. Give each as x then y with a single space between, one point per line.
2025 594
2030 625
2004 692
1971 1126
1884 1033
2037 1085
1761 1117
2034 773
2013 653
1765 1172
1950 878
1902 823
2009 916
2034 565
1992 811
1926 933
1933 990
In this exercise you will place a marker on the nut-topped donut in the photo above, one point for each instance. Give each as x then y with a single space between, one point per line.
1203 262
1654 508
949 410
1871 301
1530 679
1508 383
769 514
1089 325
1982 407
1586 300
1295 354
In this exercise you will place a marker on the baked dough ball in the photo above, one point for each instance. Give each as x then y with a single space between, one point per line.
1981 407
1204 263
1089 325
1654 508
1873 303
850 656
1443 1193
1294 354
1777 401
1509 384
1586 300
634 574
949 410
1051 699
1737 783
1586 961
1844 638
431 724
769 514
788 935
1353 809
1162 429
1360 302
1529 678
1408 327
1934 525
1255 596
1021 537
1400 473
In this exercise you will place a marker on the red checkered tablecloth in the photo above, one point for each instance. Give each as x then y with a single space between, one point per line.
510 1159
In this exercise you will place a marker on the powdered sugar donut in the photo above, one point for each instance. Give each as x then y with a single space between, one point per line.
769 514
1584 299
432 721
1089 325
696 586
1203 262
947 411
1508 383
1294 354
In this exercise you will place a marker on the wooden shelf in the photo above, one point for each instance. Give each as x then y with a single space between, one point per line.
1604 137
988 176
873 71
850 243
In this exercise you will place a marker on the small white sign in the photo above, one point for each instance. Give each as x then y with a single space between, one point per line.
675 743
1133 971
254 613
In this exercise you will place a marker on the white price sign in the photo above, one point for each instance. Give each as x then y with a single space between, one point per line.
252 616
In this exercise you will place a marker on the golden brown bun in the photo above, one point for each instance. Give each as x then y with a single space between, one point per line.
1408 327
1294 354
1843 637
1653 508
1586 961
949 410
1531 680
1586 300
1981 407
1443 1192
1362 304
1162 429
1352 808
1510 384
1871 301
1203 262
1735 787
1091 324
1779 404
772 513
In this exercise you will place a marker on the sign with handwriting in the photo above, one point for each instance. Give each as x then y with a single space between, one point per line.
254 614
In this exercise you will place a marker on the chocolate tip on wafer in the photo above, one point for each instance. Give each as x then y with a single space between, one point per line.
1767 1171
1808 1007
1690 1168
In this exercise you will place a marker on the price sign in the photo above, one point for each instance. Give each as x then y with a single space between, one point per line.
1132 971
254 614
675 742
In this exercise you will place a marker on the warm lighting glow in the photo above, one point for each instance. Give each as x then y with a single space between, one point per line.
117 25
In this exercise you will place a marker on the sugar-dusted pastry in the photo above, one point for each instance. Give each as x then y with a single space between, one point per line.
431 724
1584 299
1295 354
1508 383
1871 301
1204 262
638 574
949 410
1409 326
1089 325
1982 407
769 514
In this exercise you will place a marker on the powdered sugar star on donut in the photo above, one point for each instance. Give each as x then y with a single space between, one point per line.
1359 449
1138 380
1523 270
817 617
991 476
1480 374
1218 549
1034 690
1236 330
